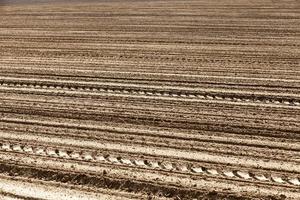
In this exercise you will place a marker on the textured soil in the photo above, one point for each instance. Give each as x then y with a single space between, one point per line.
154 99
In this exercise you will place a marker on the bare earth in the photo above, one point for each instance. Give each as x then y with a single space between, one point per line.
159 99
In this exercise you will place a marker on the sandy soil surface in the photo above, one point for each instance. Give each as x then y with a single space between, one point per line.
151 99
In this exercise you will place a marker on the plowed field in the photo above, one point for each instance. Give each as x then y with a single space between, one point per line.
159 99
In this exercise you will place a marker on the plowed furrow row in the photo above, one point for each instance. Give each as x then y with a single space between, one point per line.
292 100
147 163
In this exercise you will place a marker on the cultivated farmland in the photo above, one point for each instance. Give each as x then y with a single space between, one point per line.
159 99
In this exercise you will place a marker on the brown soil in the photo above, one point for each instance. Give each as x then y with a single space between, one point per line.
151 99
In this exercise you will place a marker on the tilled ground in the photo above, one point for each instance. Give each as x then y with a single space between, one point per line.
152 99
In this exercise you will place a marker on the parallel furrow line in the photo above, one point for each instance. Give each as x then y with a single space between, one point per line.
280 100
149 164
